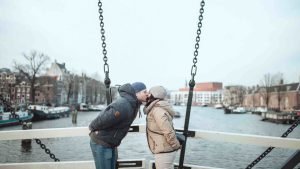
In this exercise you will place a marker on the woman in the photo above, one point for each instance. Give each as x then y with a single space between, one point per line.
160 131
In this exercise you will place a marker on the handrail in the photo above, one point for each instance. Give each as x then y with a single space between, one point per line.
72 165
267 141
86 165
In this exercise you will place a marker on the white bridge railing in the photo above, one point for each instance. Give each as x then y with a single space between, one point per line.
267 141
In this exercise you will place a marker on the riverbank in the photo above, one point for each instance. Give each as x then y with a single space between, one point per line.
198 152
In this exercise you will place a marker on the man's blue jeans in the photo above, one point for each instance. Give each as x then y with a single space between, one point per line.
104 157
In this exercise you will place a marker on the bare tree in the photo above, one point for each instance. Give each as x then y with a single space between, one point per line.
89 90
36 62
241 92
96 90
265 88
69 81
228 96
266 83
278 79
102 92
97 86
76 88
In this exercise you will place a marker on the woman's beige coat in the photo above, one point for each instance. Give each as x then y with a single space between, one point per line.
160 131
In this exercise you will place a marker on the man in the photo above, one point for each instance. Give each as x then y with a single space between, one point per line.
111 125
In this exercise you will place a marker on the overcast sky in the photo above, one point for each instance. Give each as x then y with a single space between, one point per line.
153 40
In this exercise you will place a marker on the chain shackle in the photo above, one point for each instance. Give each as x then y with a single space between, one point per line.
193 71
266 152
200 18
47 151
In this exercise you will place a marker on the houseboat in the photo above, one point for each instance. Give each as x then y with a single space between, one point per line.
280 117
10 118
42 112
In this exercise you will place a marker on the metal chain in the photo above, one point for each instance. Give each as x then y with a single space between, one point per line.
194 67
39 142
104 51
285 134
191 85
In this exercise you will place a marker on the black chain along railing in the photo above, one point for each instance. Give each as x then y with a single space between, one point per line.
266 152
47 151
38 141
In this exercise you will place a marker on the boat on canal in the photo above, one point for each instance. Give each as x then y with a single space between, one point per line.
42 112
99 107
10 118
281 117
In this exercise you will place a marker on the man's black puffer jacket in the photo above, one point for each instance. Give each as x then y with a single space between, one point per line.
113 123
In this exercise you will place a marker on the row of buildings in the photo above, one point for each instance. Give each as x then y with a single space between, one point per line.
56 87
281 97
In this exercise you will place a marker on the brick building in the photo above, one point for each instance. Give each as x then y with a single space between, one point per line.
282 97
59 72
7 81
21 92
46 90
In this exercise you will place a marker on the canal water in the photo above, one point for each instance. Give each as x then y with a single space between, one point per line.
134 146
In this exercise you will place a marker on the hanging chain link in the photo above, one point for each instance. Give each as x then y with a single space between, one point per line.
191 87
285 134
104 51
194 67
47 151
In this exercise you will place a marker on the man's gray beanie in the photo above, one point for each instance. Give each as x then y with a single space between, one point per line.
138 86
158 92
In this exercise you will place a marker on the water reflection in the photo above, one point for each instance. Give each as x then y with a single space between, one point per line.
198 152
